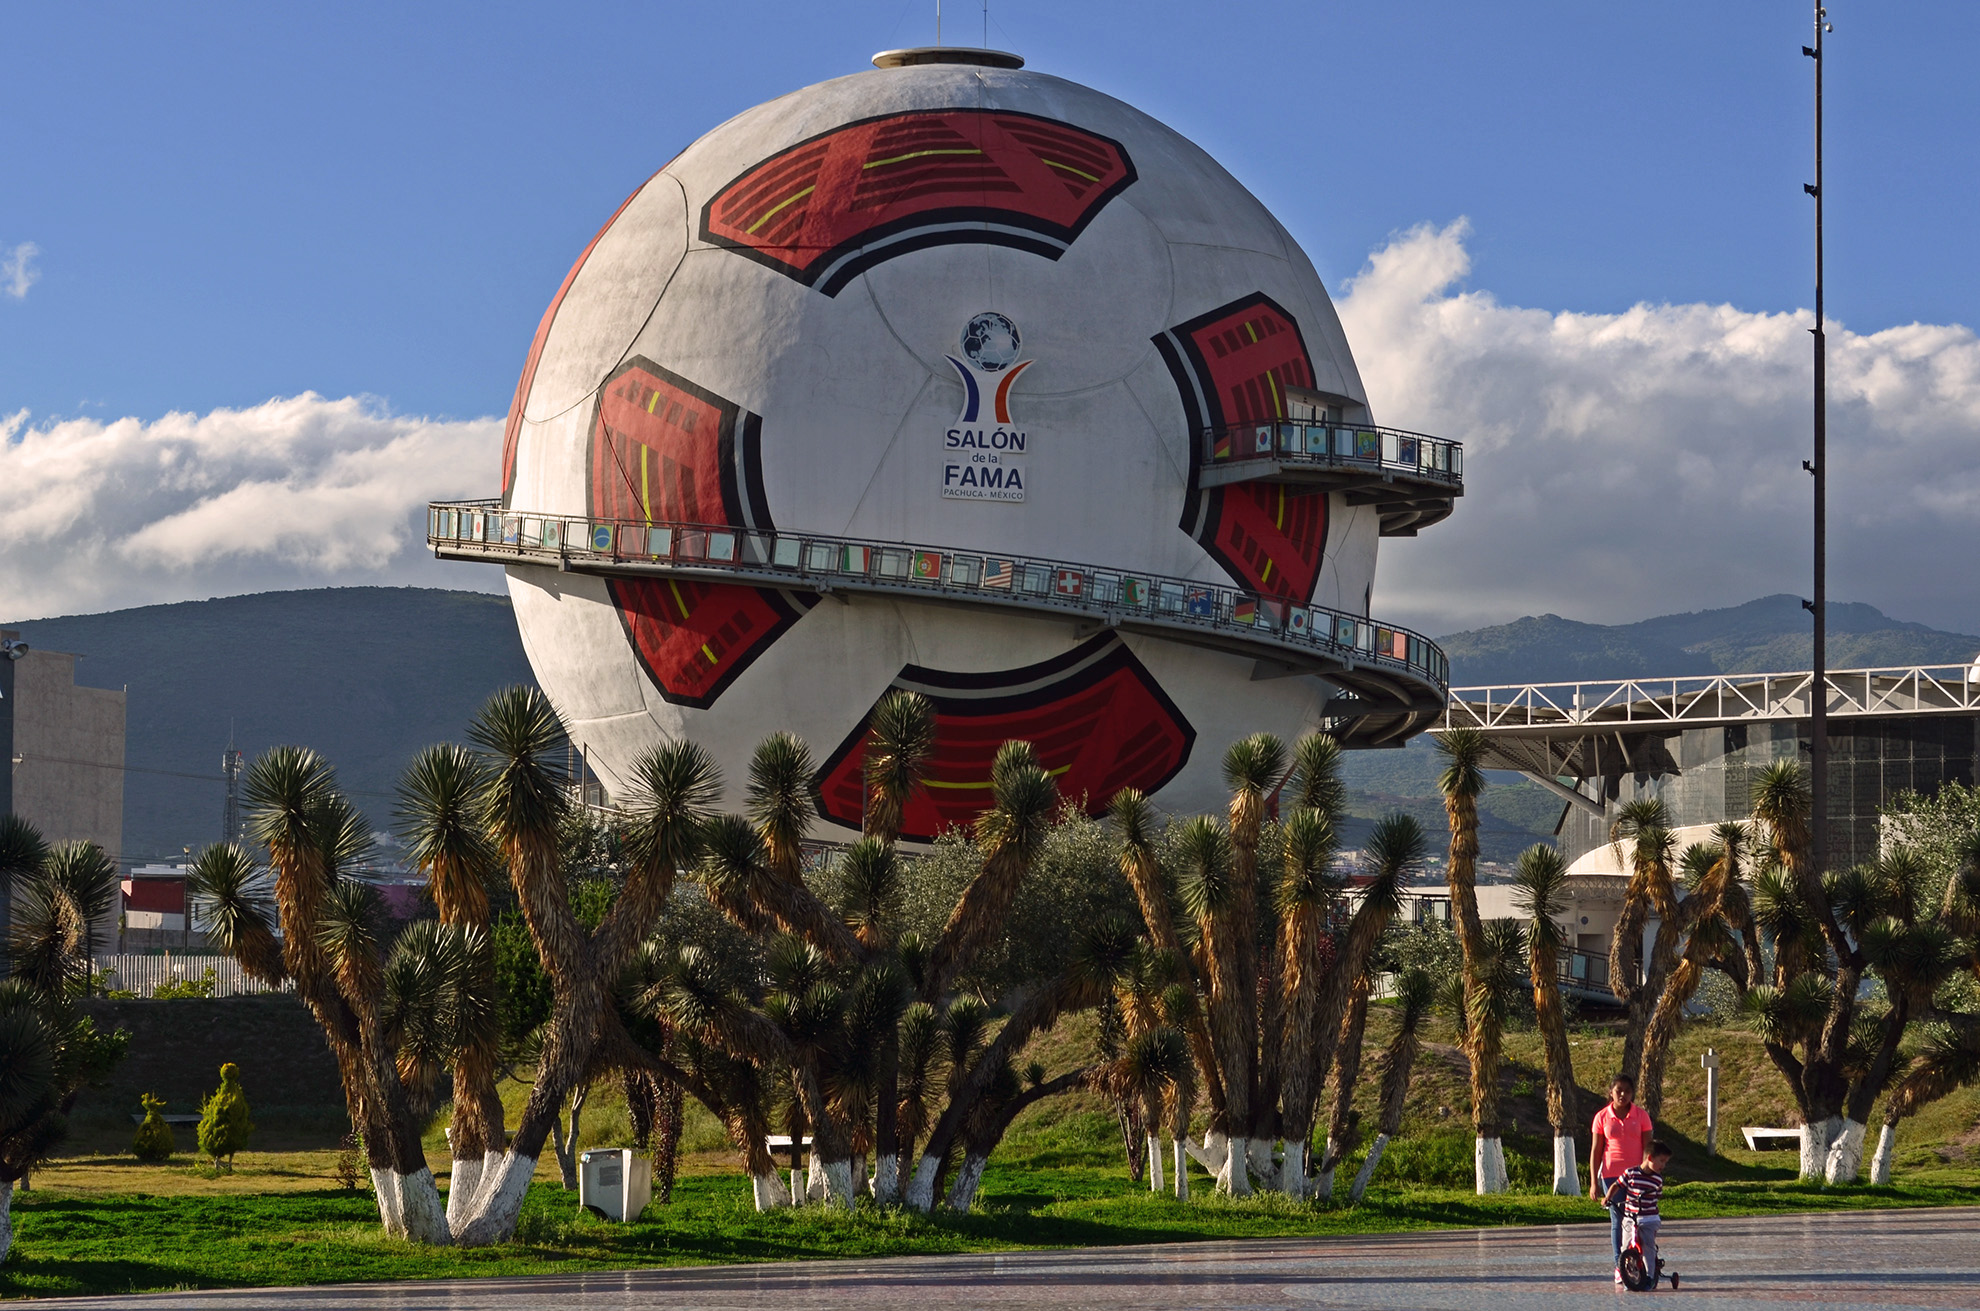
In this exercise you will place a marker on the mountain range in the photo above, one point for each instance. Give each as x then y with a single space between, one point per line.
369 675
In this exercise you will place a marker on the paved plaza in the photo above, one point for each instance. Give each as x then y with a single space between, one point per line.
1835 1260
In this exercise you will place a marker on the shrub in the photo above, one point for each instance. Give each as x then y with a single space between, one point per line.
153 1140
186 989
223 1122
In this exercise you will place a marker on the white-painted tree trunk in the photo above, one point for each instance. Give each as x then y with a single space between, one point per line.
1367 1170
6 1219
1214 1152
1880 1165
1846 1154
462 1185
834 1181
1181 1158
921 1188
815 1189
1567 1172
1258 1159
385 1188
1155 1184
1292 1170
963 1191
887 1179
499 1205
1815 1140
420 1209
1489 1165
769 1190
1235 1180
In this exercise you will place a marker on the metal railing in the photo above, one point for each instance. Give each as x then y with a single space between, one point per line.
1714 698
1347 447
811 561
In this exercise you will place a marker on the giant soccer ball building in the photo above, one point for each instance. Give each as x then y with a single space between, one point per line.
963 378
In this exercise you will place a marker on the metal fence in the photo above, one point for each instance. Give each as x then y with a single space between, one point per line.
1716 698
1350 447
143 974
482 530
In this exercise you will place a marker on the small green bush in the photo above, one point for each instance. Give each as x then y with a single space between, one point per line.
223 1122
153 1140
186 989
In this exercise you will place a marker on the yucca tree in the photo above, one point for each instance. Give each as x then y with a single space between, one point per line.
900 743
1306 895
1209 892
1711 874
1343 1121
1135 823
1462 780
439 812
1831 1146
778 800
1254 767
309 830
523 805
1393 857
1415 990
1498 981
1540 894
1640 836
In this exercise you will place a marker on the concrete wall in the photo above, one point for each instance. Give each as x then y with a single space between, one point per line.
68 776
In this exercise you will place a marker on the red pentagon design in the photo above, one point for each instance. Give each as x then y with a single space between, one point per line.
828 208
1096 717
1239 359
664 450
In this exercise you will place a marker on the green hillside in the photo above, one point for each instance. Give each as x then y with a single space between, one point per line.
366 675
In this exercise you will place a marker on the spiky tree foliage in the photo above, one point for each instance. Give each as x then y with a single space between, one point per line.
234 903
1414 992
1305 897
900 742
1540 893
56 923
22 849
1948 1059
778 800
1009 835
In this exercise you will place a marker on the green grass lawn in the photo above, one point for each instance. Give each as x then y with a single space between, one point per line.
70 1242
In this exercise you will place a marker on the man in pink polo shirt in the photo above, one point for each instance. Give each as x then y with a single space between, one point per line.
1622 1135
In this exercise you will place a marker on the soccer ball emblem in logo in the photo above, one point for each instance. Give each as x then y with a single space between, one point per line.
991 342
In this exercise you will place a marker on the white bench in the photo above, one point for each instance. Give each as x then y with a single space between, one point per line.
1771 1140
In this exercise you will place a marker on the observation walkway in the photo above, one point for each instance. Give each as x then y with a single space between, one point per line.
1604 727
1412 480
1391 682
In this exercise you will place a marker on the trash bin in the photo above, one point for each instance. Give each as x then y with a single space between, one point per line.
614 1183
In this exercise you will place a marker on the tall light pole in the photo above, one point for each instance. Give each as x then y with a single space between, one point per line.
1819 466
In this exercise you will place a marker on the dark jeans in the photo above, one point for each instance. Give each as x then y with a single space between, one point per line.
1615 1218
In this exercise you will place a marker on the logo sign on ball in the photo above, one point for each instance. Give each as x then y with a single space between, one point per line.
983 455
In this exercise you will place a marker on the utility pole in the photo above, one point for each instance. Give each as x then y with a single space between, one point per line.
1819 467
230 824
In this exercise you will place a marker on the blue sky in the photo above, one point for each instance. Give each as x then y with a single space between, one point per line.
233 202
285 261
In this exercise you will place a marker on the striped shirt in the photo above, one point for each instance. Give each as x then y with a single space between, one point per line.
1642 1189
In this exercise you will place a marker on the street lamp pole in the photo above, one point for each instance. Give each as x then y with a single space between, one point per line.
1819 467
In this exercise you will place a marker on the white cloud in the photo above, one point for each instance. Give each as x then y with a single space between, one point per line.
297 492
1624 465
17 271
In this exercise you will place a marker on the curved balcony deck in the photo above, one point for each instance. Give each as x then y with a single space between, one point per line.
1412 480
1390 682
